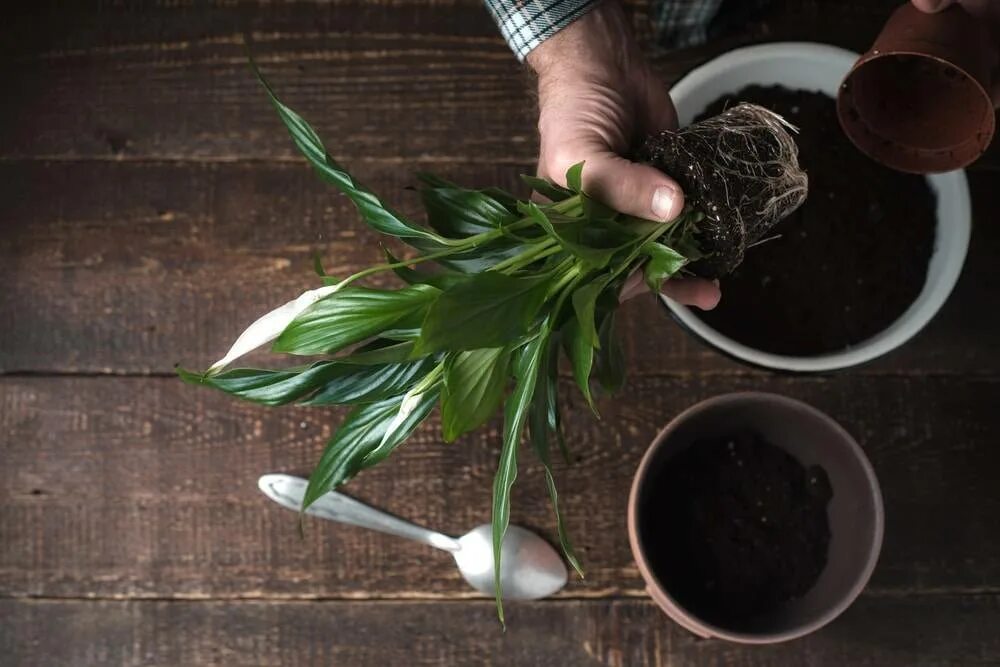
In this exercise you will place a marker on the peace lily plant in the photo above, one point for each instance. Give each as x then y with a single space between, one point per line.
515 282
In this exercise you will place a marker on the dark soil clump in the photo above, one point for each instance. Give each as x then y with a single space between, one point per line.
848 262
739 168
735 527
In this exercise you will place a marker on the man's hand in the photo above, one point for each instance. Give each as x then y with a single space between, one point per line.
987 11
597 97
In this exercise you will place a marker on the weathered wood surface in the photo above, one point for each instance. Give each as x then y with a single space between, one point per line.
131 268
931 631
151 205
146 487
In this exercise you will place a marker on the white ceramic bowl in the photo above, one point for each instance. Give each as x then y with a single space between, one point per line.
820 67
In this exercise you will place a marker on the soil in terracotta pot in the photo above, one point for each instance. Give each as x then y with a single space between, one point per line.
735 526
848 262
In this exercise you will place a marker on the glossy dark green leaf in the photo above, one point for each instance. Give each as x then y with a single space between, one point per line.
435 181
382 351
458 213
547 189
440 279
374 212
368 383
358 443
584 301
539 429
552 393
318 265
574 177
663 262
595 210
505 198
609 366
332 382
488 310
593 241
474 385
476 260
581 356
352 315
526 367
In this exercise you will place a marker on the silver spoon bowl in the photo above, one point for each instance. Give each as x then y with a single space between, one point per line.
529 567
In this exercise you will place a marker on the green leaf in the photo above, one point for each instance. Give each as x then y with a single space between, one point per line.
584 301
539 428
610 361
381 351
595 210
318 265
574 177
358 443
552 393
515 413
375 213
505 198
593 241
435 181
368 383
441 280
458 213
663 262
478 259
474 384
547 189
489 310
323 383
581 356
352 315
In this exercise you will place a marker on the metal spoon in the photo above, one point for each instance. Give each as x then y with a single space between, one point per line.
529 567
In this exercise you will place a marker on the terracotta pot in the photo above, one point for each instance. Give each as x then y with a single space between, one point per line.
855 510
918 101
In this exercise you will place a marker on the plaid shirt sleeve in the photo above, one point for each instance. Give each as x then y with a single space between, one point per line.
682 23
527 23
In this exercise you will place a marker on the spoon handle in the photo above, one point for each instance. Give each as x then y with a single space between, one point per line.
288 491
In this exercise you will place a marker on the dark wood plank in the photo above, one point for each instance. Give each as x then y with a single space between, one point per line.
132 268
146 487
883 632
412 79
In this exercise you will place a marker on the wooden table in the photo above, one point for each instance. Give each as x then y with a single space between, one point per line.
151 205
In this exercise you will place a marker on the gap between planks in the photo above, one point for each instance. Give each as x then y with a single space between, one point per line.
987 376
596 595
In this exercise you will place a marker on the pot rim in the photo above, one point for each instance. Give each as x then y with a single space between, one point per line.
954 211
675 610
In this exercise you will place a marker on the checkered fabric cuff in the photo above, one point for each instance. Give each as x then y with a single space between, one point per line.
682 23
527 23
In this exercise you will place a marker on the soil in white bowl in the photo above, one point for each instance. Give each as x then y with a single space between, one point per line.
845 265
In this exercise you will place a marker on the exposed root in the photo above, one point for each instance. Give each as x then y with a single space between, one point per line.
741 170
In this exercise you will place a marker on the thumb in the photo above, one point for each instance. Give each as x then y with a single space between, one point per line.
932 6
633 189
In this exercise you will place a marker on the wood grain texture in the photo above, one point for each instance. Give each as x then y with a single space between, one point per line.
428 80
876 632
132 268
146 487
150 205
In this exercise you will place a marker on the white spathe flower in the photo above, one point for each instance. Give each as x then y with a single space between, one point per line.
269 326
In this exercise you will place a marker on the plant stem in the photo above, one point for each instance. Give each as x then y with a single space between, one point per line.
539 250
465 244
569 276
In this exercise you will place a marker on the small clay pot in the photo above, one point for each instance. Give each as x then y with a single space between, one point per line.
918 101
855 511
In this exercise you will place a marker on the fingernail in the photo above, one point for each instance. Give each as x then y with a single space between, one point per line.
664 203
